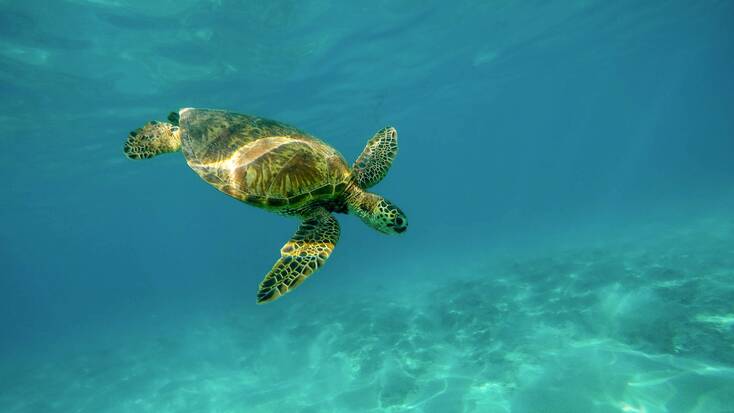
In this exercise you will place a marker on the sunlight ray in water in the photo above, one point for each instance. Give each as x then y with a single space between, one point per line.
566 167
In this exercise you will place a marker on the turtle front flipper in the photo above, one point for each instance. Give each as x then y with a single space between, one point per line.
376 158
301 256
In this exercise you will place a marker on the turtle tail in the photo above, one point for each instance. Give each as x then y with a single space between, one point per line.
152 139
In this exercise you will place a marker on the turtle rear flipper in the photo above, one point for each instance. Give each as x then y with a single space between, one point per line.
152 139
376 158
301 256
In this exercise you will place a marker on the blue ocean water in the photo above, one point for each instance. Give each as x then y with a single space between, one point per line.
566 167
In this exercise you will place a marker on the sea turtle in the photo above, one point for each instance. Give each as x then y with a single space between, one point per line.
282 169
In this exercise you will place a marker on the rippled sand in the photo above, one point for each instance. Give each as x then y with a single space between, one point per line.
633 326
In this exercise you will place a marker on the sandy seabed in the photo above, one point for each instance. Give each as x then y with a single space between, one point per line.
643 325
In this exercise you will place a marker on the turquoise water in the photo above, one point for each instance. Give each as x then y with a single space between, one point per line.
566 168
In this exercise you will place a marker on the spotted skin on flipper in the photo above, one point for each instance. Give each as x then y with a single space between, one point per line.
301 256
376 158
154 138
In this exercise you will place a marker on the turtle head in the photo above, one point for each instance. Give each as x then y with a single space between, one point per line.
378 212
152 139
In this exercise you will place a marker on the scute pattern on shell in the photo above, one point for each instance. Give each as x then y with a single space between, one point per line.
260 161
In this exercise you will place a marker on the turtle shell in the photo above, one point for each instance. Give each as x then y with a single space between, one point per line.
259 161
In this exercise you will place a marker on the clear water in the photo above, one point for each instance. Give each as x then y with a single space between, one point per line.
566 167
